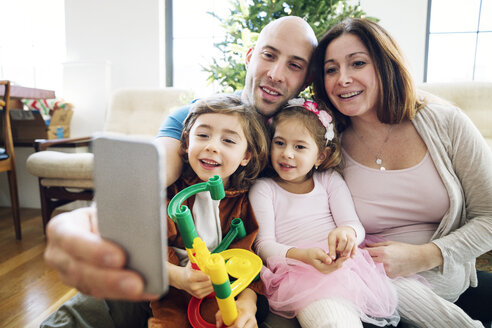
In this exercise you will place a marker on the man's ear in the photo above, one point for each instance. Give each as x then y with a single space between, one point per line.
246 159
309 79
248 56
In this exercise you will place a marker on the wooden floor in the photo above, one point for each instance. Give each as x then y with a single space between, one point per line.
29 289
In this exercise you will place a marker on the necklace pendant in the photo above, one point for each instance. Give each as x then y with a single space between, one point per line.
382 168
379 161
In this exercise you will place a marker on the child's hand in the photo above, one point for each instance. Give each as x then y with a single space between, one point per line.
246 308
194 282
342 242
318 258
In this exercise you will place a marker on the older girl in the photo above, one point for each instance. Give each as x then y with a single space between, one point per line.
224 137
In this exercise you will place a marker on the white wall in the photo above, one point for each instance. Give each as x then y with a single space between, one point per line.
110 44
406 21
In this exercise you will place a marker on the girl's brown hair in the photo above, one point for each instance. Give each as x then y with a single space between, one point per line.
397 93
253 127
317 130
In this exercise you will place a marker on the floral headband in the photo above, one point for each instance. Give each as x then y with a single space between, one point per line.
323 116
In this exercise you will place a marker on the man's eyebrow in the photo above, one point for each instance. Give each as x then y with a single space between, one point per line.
278 51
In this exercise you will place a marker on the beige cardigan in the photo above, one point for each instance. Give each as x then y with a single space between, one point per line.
464 162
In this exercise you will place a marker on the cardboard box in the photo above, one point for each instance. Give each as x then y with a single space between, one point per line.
27 125
60 123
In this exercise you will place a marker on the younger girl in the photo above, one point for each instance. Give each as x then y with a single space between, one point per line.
309 230
224 137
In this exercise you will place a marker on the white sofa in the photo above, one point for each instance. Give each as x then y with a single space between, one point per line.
474 98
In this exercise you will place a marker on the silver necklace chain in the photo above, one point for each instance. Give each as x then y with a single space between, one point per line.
379 154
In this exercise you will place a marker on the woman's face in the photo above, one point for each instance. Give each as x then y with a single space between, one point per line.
350 76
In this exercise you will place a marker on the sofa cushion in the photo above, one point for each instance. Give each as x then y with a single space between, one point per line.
474 98
54 164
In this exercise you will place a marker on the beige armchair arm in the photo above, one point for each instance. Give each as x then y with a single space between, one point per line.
43 144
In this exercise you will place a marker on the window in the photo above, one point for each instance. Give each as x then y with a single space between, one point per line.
459 41
194 35
33 43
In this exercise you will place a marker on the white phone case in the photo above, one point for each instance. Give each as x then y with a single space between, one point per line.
131 204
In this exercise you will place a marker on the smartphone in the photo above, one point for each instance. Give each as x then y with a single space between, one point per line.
130 199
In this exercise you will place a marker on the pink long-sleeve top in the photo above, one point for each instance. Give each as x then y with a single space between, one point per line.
289 220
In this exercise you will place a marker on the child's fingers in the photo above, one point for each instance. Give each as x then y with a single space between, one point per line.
327 259
218 320
342 246
200 290
198 276
322 257
350 247
317 256
354 250
199 284
332 246
339 261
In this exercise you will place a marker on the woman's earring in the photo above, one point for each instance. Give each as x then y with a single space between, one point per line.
316 167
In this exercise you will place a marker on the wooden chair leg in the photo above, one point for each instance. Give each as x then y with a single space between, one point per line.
54 197
46 209
14 198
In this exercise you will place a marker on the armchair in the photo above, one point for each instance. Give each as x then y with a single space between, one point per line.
67 177
474 98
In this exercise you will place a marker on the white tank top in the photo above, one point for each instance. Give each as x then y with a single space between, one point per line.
401 205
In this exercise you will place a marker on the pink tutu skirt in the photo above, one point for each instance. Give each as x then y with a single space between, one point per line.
291 285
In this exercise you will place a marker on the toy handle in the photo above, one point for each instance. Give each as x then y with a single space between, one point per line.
214 185
236 230
181 215
222 288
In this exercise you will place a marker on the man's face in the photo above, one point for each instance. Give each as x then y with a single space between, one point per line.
277 67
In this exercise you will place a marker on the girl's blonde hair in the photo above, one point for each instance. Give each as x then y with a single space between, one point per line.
253 127
316 129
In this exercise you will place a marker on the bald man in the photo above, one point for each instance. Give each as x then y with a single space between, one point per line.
276 71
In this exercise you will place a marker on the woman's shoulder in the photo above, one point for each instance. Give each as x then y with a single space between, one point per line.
440 114
440 108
